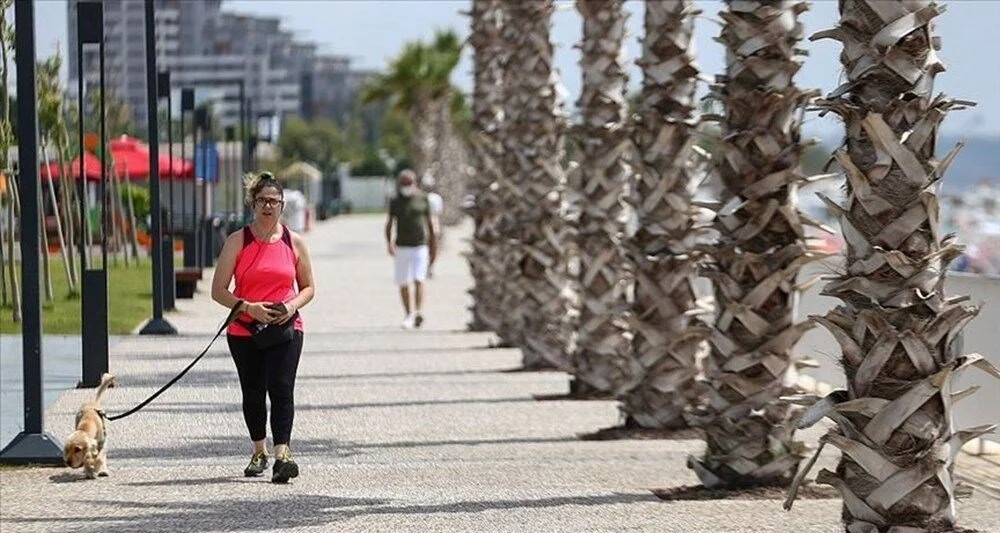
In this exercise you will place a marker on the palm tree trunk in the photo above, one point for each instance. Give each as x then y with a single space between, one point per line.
453 165
760 251
533 147
604 352
487 114
896 325
667 336
423 141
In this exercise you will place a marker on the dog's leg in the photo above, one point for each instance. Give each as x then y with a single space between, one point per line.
102 463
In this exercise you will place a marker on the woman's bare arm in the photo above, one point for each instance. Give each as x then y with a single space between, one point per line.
224 268
303 275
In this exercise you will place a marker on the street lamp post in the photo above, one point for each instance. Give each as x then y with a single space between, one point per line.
94 282
187 104
203 123
232 169
195 215
156 325
32 445
169 280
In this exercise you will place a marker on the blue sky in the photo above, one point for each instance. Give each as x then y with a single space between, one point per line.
371 31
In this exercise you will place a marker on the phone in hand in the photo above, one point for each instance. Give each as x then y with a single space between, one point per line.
278 307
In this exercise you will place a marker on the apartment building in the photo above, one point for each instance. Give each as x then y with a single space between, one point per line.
208 48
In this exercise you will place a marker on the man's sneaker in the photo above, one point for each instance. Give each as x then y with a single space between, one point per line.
418 320
257 466
284 469
408 322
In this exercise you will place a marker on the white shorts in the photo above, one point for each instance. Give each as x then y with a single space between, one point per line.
411 264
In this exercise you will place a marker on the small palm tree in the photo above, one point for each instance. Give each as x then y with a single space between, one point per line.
760 251
52 127
536 300
667 338
8 200
894 423
486 255
418 83
604 353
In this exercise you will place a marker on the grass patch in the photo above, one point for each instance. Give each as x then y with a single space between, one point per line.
130 300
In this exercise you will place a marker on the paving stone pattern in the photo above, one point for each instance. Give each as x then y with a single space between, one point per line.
395 431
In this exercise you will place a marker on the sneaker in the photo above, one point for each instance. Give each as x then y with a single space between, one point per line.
418 320
257 466
408 322
284 469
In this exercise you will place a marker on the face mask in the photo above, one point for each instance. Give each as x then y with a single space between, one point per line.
408 190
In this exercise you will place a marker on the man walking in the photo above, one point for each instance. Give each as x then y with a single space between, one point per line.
414 247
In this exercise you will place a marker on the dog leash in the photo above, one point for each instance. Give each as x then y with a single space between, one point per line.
232 316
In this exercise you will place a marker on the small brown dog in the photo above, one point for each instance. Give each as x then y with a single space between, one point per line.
86 446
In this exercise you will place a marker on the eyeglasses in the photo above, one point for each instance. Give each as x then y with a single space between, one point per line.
268 202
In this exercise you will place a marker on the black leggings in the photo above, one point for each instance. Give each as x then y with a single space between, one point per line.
269 372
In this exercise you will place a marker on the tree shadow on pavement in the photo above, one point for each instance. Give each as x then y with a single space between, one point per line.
223 446
186 408
193 482
68 477
291 511
401 375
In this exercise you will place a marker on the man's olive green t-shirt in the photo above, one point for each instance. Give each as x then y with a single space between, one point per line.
411 218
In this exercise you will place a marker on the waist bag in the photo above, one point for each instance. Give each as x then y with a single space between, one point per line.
270 335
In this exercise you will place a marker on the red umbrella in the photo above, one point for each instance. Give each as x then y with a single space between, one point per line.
180 169
132 156
131 159
91 168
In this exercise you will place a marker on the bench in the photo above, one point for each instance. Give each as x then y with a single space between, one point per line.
186 280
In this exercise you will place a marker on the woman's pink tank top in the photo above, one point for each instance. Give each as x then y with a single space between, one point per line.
265 272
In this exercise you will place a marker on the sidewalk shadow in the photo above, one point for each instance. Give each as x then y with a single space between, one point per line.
67 477
193 379
194 482
293 511
231 446
188 408
379 375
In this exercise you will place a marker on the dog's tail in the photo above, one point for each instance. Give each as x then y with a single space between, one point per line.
107 380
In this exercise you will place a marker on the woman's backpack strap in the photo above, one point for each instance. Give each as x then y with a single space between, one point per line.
247 236
286 237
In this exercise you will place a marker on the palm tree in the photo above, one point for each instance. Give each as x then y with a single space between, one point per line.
6 141
604 353
485 257
50 122
894 424
418 83
533 144
759 253
667 337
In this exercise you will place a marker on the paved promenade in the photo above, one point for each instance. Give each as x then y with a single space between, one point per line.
395 431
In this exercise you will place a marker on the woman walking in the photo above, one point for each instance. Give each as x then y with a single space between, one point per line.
268 262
